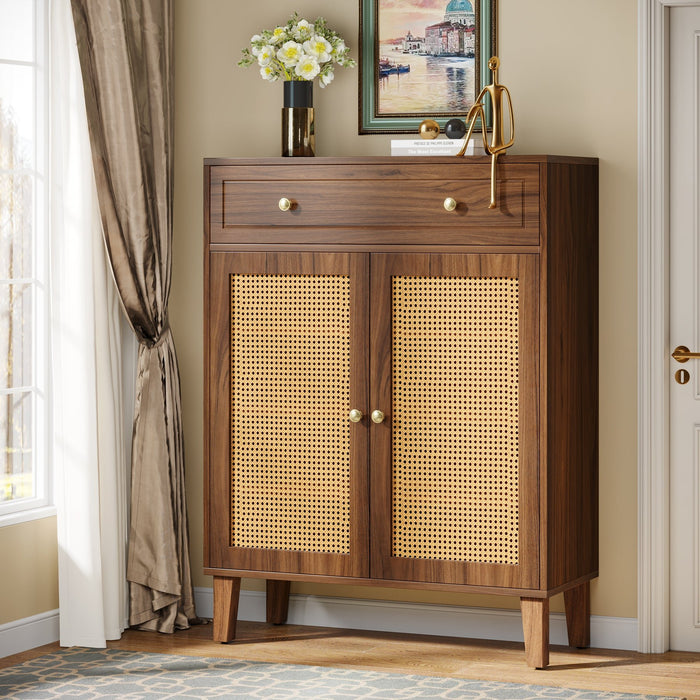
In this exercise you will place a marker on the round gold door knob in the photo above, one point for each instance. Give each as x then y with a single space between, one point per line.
355 415
377 416
285 204
450 204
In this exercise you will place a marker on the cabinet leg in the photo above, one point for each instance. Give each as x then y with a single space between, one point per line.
277 601
577 603
535 612
226 594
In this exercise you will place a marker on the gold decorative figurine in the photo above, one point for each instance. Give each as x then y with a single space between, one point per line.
498 144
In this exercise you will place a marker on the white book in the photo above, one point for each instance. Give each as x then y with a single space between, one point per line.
434 147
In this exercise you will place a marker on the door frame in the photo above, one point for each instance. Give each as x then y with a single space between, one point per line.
653 444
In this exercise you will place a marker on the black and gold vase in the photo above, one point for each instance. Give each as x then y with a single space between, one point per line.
298 138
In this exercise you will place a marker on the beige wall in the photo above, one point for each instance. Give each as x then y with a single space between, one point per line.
557 61
571 68
29 580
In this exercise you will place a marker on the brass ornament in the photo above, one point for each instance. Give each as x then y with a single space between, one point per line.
429 129
498 144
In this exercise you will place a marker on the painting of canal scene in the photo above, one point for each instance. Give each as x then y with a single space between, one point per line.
426 60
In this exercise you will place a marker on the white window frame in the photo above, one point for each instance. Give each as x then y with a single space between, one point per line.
41 505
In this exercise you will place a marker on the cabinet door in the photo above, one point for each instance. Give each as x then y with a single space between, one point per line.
287 362
454 347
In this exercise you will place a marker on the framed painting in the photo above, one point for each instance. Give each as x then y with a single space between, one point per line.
422 59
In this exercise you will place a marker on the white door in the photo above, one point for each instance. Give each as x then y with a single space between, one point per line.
684 199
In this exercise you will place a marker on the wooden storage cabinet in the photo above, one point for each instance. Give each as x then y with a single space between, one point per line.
474 333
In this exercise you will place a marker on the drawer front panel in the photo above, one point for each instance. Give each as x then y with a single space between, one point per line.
386 210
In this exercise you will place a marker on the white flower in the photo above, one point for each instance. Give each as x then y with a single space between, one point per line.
279 34
302 30
307 68
290 53
297 50
326 79
318 47
265 55
268 73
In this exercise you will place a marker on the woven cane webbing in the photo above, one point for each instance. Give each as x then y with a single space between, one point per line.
455 419
290 395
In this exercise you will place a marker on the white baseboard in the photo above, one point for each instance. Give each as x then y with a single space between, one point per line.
347 613
422 618
28 633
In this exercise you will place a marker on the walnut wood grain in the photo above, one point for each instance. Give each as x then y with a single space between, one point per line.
222 554
375 217
535 614
577 603
384 564
569 262
391 583
226 595
245 209
277 601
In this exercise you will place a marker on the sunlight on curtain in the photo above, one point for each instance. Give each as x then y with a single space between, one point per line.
89 455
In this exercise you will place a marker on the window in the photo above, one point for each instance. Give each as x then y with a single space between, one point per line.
24 472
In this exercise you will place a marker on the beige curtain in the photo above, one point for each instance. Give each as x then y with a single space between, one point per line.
126 60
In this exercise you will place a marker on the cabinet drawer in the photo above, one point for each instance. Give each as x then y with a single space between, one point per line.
399 207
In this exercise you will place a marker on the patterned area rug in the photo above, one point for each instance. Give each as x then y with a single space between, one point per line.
112 673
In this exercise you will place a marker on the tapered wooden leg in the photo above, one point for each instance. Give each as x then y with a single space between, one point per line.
535 613
277 601
226 594
577 602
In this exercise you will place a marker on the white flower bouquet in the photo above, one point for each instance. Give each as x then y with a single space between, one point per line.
298 50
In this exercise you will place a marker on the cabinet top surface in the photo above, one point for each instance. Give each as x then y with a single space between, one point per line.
398 160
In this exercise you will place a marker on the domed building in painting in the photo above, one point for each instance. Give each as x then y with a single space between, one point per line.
460 12
454 36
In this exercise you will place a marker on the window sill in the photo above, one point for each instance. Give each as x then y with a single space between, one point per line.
24 516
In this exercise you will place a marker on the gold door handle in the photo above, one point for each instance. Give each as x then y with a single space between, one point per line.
377 416
355 415
450 204
285 204
682 354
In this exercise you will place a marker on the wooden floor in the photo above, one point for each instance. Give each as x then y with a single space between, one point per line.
673 673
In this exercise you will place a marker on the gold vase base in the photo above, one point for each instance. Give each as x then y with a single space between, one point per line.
298 137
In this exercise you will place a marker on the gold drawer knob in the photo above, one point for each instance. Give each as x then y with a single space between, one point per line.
285 204
377 416
355 415
450 204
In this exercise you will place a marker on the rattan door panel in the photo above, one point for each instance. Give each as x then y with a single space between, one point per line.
454 464
288 489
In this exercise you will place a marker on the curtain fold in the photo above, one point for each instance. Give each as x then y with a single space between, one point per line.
126 59
90 463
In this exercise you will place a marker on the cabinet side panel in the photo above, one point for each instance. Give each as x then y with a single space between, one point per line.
571 241
205 378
